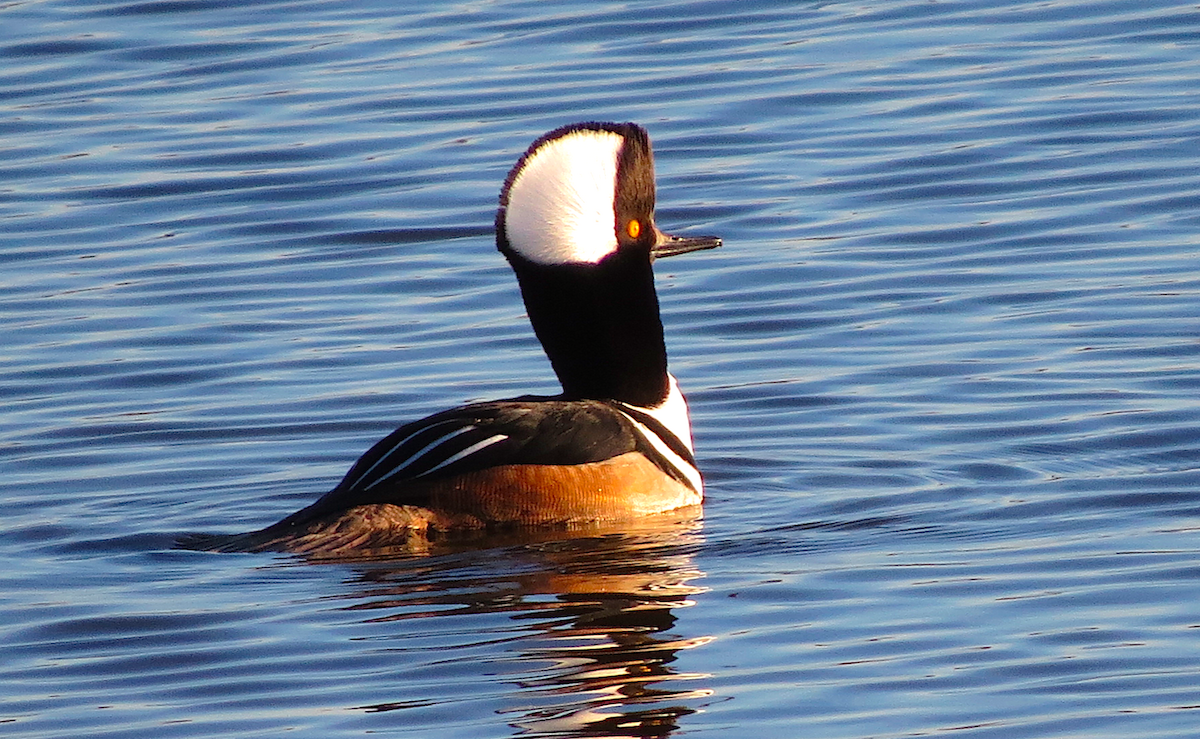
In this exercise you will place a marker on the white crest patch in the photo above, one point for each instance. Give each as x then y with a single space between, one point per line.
560 205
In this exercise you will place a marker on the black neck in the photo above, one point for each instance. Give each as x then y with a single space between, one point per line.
599 325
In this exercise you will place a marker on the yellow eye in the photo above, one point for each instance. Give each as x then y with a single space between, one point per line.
633 229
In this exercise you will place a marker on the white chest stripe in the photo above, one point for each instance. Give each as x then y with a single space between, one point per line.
688 469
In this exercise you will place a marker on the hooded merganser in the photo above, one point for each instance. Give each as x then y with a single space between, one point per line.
576 223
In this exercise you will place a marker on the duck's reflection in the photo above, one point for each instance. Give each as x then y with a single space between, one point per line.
594 653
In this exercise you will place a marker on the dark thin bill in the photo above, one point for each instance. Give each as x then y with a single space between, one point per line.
669 246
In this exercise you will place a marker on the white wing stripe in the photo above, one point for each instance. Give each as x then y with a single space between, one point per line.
465 453
383 458
423 451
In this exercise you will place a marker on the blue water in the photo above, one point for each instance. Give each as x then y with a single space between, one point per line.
944 373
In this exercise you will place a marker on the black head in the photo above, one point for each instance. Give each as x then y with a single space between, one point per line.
576 222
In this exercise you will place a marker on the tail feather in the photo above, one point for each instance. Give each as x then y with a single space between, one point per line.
366 527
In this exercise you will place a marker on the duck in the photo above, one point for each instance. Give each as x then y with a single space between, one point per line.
576 225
